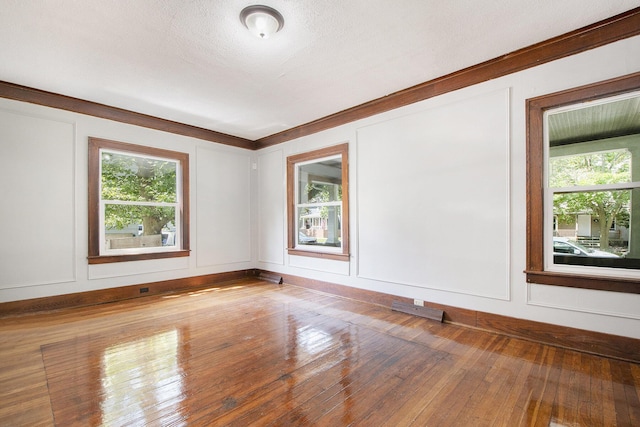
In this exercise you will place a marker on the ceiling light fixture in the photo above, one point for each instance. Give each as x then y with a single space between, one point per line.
262 21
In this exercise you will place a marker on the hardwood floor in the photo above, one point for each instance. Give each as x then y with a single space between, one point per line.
256 353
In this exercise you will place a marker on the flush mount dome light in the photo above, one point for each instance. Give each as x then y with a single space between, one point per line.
263 21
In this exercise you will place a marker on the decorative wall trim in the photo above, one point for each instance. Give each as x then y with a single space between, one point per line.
610 30
597 343
103 296
76 105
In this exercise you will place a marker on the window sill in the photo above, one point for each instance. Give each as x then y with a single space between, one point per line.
325 255
602 283
106 259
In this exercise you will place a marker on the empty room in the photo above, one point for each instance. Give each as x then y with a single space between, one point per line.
320 212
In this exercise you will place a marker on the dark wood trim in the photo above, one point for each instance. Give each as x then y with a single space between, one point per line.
270 277
292 226
95 144
76 105
612 284
616 28
93 189
313 254
103 296
451 314
601 344
613 346
607 31
107 259
535 109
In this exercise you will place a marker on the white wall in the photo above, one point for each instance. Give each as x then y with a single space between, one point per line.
43 213
238 213
438 201
433 187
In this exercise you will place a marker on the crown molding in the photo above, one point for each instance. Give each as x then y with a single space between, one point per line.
610 30
76 105
601 33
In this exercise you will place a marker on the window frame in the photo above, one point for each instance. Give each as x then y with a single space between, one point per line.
94 200
535 112
341 150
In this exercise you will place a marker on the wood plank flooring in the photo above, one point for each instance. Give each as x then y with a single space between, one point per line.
256 353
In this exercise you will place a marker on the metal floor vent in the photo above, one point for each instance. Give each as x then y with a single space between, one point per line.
416 310
270 277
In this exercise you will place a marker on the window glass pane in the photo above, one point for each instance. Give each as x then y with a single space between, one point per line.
595 148
133 178
134 226
320 182
585 234
320 226
607 167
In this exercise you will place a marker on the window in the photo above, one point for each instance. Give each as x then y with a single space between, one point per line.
318 203
583 187
138 202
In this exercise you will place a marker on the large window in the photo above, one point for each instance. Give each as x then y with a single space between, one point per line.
318 203
583 178
138 202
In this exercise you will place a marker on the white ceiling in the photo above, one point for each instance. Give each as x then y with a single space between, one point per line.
192 61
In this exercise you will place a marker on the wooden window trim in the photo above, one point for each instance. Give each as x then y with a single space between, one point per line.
342 150
95 144
535 109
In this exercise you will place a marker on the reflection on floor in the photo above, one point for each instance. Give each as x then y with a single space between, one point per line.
263 354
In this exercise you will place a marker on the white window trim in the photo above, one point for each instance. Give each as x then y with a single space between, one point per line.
176 205
549 192
298 205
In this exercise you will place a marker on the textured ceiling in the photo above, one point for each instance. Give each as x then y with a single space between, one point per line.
193 62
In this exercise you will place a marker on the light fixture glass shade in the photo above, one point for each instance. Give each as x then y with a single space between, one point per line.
262 21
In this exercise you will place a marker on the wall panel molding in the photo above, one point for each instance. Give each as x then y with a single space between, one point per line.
271 207
223 236
564 298
443 160
38 186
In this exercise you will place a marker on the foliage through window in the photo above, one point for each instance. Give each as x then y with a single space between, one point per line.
318 203
137 202
584 186
590 184
602 207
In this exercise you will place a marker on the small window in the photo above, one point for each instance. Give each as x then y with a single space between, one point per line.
138 202
318 200
583 179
